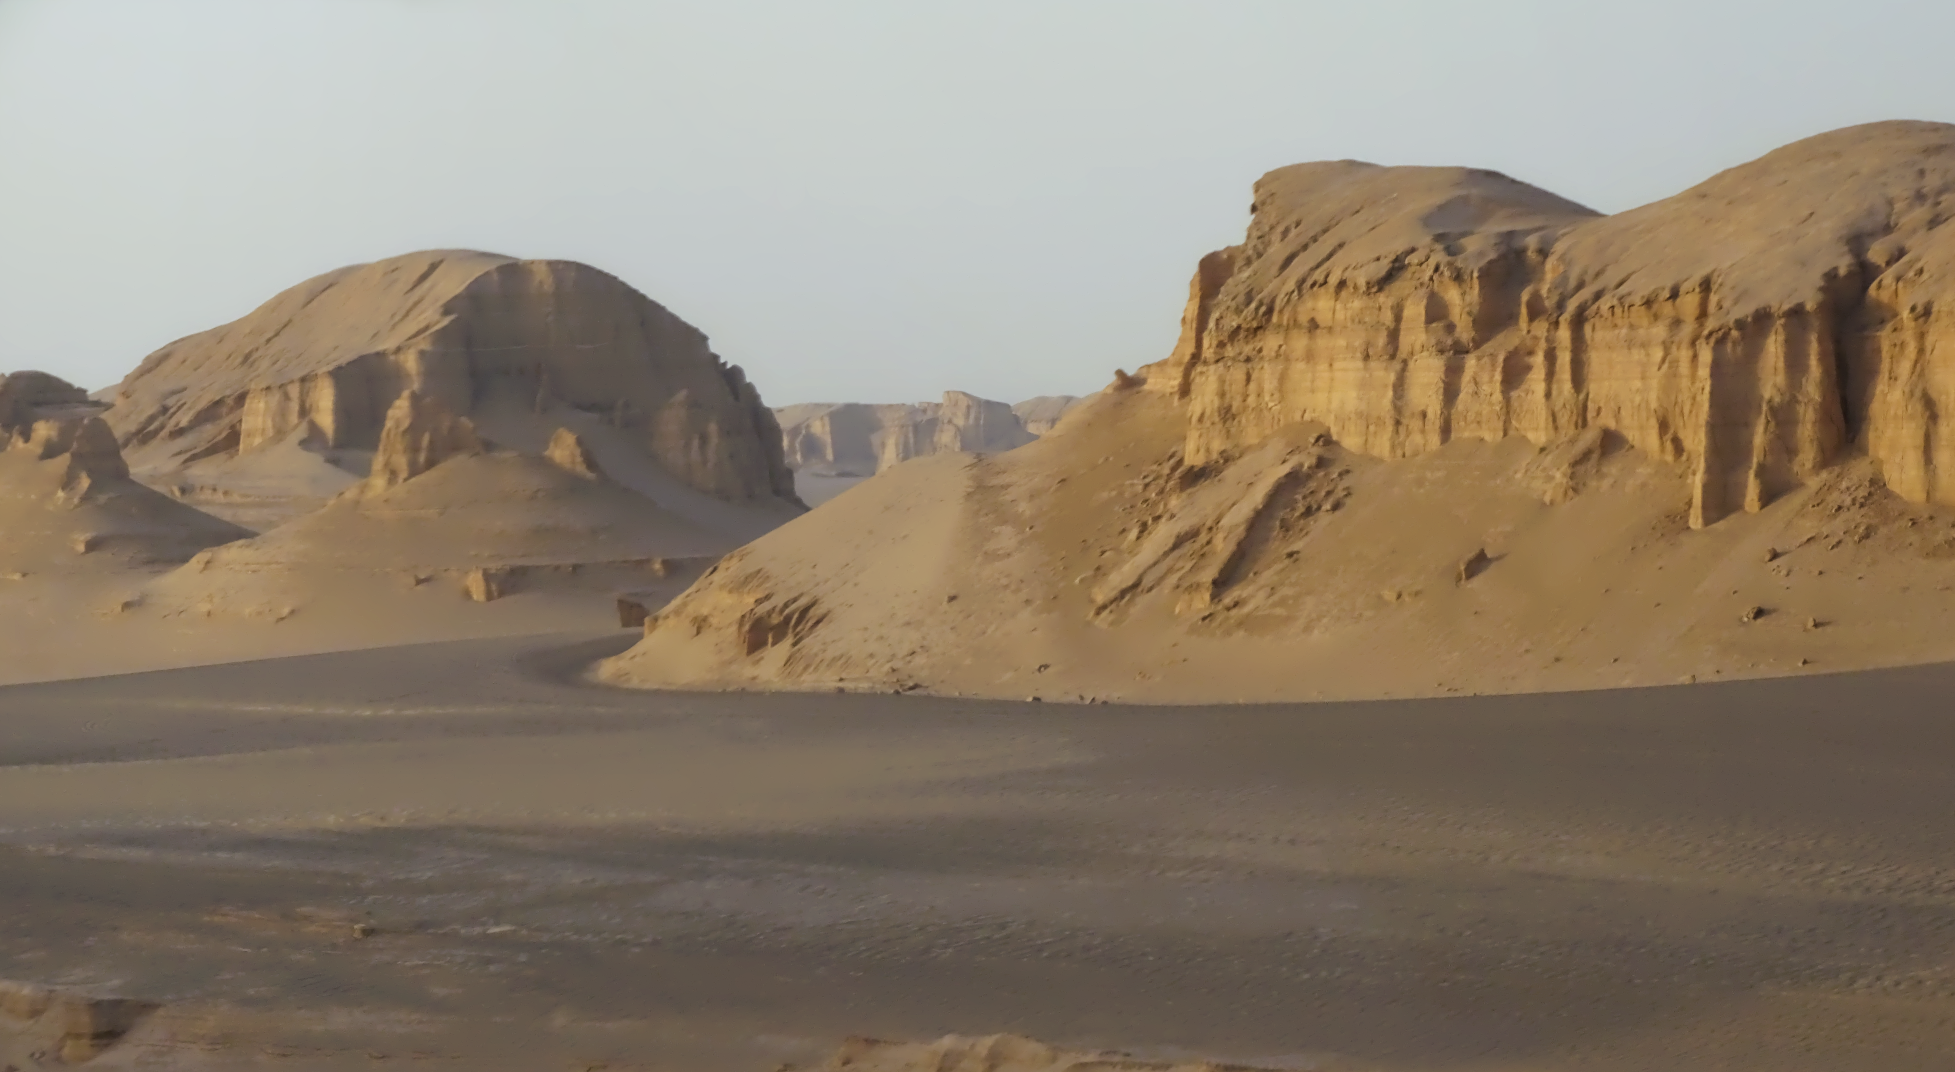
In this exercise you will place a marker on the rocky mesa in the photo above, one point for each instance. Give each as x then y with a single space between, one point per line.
1748 330
478 333
1430 430
855 439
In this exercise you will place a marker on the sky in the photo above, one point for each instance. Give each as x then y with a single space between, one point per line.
857 200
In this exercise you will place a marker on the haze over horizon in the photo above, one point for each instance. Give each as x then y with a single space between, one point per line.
872 201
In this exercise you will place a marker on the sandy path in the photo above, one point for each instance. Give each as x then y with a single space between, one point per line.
1751 875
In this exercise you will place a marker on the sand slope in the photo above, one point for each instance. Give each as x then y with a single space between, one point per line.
69 503
1432 430
439 504
1097 563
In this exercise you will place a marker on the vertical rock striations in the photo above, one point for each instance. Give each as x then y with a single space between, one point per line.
420 434
461 329
1744 330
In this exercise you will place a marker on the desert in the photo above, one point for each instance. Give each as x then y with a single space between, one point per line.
866 581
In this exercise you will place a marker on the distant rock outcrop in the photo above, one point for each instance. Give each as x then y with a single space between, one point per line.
472 332
855 439
1040 415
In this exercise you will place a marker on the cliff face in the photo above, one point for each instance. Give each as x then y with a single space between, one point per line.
1746 330
844 439
419 434
1041 415
458 328
856 439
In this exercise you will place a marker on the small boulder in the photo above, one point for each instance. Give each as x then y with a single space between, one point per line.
633 611
486 585
1474 565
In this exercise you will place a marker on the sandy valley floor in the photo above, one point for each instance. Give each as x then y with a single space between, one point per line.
458 856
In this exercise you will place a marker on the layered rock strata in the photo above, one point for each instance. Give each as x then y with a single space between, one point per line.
1746 330
458 328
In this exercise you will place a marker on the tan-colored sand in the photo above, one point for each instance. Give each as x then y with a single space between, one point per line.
450 855
1058 570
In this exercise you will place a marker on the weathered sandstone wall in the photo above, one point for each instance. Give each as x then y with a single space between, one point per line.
1746 330
457 328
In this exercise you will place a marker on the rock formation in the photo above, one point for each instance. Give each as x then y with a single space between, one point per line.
1432 429
68 490
856 439
1040 415
570 454
843 439
329 357
419 434
67 1027
1744 330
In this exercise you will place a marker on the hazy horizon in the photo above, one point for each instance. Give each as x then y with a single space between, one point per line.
873 201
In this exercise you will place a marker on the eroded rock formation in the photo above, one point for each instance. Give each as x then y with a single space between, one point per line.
1432 430
856 439
465 330
569 453
1041 415
69 490
1745 330
64 1026
420 434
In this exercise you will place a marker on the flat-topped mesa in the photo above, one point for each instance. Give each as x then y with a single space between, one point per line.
843 439
1746 330
468 330
859 439
967 422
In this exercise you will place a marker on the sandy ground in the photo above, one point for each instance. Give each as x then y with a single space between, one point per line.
57 627
459 855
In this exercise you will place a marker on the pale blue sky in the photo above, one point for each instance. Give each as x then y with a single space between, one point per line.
857 199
